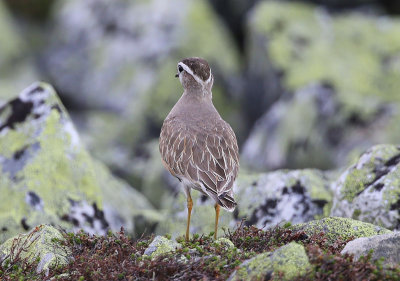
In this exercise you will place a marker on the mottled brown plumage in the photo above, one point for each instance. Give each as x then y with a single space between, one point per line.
197 146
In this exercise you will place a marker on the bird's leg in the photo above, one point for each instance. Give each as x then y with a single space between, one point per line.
216 219
189 207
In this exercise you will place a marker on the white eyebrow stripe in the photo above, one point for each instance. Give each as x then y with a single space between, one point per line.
188 70
209 78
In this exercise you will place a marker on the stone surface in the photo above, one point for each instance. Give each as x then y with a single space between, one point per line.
326 110
42 242
48 177
343 228
161 245
225 243
369 190
264 200
385 246
290 259
115 63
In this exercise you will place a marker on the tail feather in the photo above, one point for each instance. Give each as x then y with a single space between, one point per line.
227 202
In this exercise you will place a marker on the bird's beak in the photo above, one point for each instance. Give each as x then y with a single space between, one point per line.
177 75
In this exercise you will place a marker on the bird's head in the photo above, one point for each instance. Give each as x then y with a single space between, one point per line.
195 74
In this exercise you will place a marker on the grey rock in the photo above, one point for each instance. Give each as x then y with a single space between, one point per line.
42 242
290 259
264 200
369 189
161 245
325 111
47 176
340 228
385 246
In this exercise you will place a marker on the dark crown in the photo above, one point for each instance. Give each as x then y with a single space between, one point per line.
199 67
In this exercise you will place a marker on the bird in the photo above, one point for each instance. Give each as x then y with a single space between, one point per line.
196 145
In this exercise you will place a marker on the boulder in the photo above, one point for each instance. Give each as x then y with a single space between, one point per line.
291 260
337 80
161 245
264 200
340 228
386 247
47 176
115 62
41 244
369 190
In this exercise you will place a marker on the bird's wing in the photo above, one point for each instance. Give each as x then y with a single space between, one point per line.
207 156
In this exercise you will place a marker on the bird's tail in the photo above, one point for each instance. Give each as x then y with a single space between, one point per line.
227 202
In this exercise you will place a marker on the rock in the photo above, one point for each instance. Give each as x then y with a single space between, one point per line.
369 190
161 245
42 242
225 243
264 200
48 177
349 102
290 259
115 64
343 228
382 246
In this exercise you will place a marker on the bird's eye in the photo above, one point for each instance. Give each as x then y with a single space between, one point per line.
180 69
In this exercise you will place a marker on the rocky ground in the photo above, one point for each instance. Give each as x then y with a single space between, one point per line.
319 250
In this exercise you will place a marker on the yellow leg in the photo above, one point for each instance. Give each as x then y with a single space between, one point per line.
189 207
216 220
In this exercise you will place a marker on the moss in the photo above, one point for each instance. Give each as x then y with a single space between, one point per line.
291 260
343 228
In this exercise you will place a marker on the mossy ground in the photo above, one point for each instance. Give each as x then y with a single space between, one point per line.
118 257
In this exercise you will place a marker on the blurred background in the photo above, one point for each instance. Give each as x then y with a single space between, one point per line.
304 84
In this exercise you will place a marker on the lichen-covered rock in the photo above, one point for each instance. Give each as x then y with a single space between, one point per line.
343 228
41 243
48 177
369 190
264 200
118 59
386 246
291 260
338 78
161 245
224 243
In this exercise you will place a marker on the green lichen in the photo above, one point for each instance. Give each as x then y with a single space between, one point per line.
391 194
225 243
291 260
58 169
161 246
355 183
361 174
343 228
300 37
40 244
